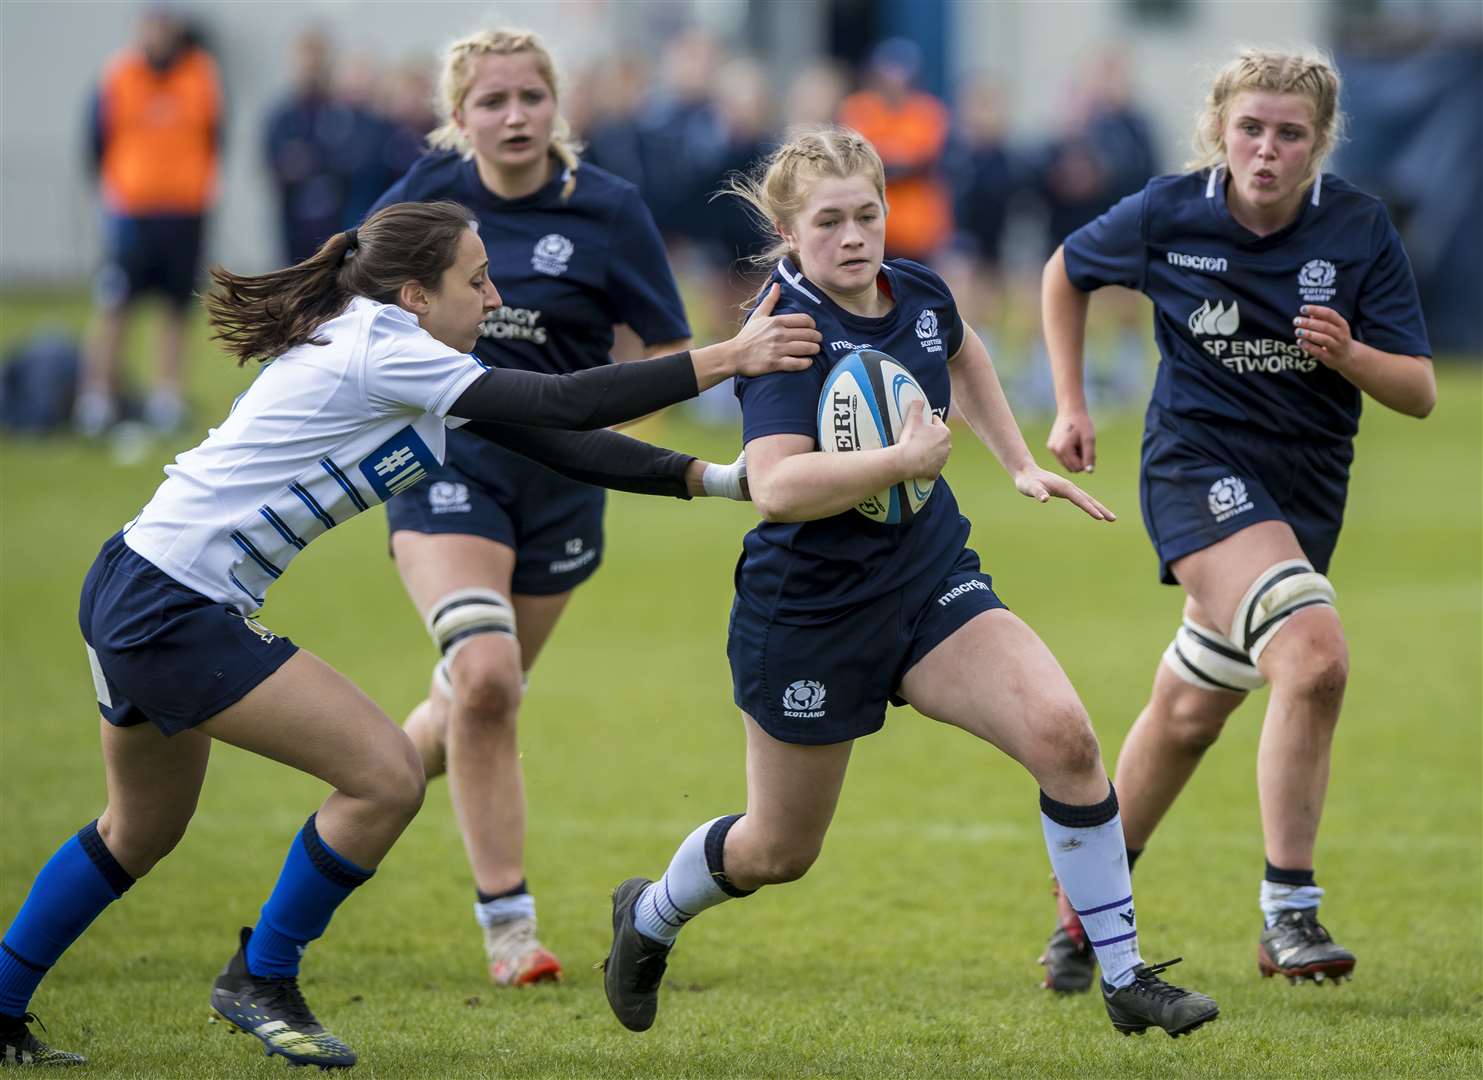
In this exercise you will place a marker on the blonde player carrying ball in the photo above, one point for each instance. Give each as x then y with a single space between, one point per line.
836 615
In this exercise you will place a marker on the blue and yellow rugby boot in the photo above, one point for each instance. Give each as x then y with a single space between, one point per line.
275 1011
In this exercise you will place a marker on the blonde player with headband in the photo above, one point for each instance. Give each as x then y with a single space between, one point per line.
1282 296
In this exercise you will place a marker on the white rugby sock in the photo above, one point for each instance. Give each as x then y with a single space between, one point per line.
694 881
1089 857
1278 898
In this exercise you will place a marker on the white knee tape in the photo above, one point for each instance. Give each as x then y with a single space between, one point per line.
1272 599
1208 659
466 613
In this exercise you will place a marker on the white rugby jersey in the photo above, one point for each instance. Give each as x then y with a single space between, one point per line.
324 432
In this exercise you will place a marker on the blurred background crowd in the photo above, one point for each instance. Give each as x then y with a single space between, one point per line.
992 156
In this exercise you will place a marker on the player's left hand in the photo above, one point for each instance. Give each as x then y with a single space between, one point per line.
1324 335
1043 485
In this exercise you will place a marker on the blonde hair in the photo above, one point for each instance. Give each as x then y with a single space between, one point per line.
1310 73
458 76
778 186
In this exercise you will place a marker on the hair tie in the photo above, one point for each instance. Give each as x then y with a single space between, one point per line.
352 242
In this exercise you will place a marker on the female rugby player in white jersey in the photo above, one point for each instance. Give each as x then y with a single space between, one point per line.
369 345
1281 295
836 615
575 252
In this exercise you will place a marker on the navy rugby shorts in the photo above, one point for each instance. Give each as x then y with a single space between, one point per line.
160 651
1201 482
553 524
828 681
160 254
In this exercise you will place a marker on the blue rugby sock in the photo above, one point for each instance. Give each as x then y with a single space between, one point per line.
74 886
314 881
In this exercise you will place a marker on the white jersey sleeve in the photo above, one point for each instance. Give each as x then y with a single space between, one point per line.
408 368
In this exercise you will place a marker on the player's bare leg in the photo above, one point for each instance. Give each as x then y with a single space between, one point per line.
1159 755
792 792
1023 703
468 730
1307 662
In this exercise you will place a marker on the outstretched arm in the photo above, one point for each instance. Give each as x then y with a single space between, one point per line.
980 398
607 395
608 459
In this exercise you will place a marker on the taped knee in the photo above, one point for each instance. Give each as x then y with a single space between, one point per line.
466 613
1208 659
1273 598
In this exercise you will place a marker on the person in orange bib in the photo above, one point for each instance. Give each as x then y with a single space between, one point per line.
156 126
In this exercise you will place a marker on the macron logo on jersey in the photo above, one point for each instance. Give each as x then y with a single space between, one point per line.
1214 264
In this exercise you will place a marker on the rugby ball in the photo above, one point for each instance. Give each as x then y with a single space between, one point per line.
863 407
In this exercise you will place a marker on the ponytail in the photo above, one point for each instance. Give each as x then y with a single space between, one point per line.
260 317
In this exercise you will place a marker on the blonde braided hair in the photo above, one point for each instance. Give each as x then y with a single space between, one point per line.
1309 73
778 186
458 75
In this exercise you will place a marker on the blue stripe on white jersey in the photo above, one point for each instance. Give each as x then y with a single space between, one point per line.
344 482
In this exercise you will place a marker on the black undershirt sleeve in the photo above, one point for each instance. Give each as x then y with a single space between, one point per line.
604 458
581 401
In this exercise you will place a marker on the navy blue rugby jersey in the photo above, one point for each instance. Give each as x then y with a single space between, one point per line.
810 569
1225 299
567 271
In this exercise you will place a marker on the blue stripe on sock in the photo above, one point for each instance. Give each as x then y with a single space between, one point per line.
1111 940
19 959
671 899
1105 907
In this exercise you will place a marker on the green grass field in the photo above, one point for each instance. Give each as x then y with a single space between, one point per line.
910 949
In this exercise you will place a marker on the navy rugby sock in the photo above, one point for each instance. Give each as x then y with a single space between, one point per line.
314 881
695 880
1091 863
75 885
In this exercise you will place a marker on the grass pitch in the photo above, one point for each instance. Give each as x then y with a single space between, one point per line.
910 949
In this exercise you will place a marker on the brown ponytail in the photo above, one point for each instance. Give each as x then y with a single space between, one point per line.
260 317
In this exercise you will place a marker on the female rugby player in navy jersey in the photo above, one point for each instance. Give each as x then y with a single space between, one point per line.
836 615
368 342
1281 295
575 252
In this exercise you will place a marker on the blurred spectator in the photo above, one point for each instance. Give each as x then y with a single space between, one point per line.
985 175
1104 153
359 133
910 130
682 138
747 119
606 109
156 128
814 95
409 111
299 153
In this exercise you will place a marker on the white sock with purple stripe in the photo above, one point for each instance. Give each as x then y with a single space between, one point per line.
694 881
1090 860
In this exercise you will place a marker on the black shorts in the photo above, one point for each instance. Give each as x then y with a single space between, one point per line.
163 653
1201 482
157 254
554 525
829 681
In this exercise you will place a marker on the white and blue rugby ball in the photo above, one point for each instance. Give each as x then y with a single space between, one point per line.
863 407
